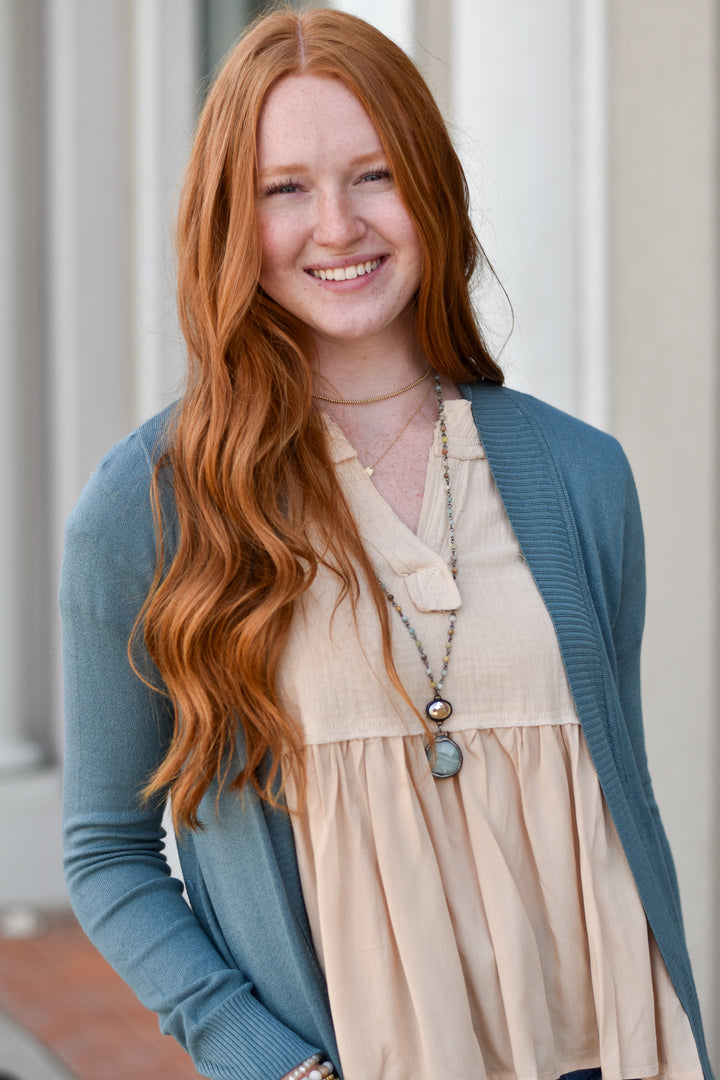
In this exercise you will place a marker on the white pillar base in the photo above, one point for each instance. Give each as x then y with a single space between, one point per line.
31 802
18 756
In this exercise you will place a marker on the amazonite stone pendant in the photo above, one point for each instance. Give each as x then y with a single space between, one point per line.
444 757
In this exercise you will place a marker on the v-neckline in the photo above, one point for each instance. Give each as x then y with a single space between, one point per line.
424 554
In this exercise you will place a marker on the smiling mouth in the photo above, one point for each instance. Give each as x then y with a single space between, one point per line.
347 273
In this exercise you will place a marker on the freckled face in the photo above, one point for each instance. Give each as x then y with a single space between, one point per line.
339 249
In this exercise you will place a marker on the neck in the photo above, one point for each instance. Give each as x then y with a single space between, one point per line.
367 368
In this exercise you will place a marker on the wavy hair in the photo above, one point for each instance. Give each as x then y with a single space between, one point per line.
246 458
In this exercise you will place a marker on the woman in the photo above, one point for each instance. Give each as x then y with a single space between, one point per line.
383 620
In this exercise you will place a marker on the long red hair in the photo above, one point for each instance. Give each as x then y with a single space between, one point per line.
246 457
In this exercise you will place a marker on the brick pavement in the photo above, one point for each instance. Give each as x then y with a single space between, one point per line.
58 987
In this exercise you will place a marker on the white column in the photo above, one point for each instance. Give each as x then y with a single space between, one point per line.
434 24
166 71
664 182
17 749
91 201
514 72
166 58
396 19
591 354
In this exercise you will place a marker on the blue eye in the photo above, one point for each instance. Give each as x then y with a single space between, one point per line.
374 174
282 187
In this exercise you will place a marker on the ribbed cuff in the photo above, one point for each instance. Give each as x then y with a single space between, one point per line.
241 1040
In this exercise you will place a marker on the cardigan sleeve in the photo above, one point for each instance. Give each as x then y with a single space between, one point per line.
627 632
117 731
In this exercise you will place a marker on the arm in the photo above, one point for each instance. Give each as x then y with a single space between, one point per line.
117 731
627 630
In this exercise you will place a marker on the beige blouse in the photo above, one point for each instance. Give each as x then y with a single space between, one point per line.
486 925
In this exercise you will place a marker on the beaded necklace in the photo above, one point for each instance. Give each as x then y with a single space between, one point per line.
443 754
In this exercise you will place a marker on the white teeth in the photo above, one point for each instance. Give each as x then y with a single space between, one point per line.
346 273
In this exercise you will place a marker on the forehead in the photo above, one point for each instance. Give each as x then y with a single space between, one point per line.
306 118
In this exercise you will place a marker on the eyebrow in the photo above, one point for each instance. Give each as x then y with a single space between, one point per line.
299 167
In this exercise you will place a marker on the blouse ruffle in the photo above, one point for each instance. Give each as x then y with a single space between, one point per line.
484 926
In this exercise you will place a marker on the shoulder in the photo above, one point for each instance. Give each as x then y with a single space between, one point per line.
495 404
121 481
114 513
537 452
584 455
559 476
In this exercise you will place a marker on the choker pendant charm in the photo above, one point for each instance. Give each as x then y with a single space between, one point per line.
443 754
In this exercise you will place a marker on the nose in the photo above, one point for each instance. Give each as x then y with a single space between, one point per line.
338 224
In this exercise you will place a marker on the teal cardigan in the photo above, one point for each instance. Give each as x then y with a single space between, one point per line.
233 973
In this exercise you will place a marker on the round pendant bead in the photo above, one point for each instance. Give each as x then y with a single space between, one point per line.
438 710
444 757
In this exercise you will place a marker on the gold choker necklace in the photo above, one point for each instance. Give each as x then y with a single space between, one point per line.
373 400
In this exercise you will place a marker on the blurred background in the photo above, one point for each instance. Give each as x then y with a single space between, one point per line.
589 133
